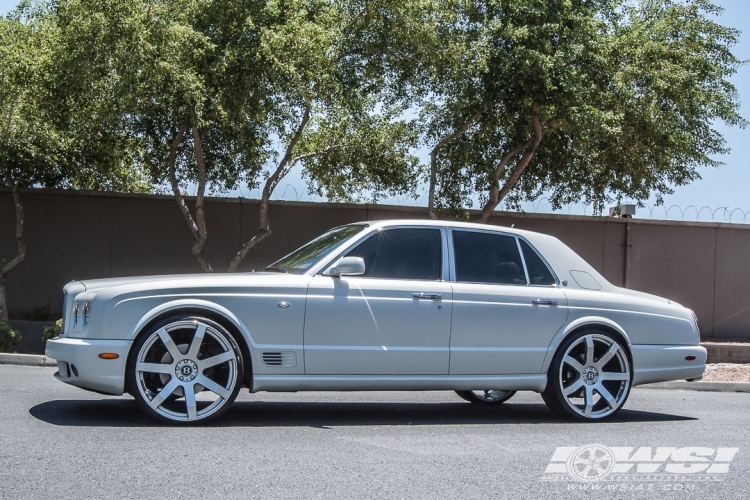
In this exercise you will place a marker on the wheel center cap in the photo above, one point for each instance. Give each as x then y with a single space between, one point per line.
186 370
590 375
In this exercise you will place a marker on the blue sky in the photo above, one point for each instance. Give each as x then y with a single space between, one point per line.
724 190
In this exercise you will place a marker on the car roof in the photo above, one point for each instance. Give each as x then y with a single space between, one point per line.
447 223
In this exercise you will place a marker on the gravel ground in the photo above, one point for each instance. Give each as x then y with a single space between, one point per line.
727 372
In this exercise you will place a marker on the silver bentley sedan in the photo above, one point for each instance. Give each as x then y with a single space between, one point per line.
484 311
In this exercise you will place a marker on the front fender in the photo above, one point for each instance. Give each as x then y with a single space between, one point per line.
180 304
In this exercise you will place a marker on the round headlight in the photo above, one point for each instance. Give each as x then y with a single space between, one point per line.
75 314
86 312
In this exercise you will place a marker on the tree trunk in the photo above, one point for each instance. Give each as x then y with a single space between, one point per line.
7 267
498 194
199 235
282 169
434 154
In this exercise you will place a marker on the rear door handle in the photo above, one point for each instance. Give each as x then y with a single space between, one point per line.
427 295
544 302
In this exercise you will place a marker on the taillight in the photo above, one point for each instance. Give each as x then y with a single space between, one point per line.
696 321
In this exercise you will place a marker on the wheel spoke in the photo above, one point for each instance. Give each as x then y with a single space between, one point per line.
215 360
574 387
589 350
163 394
573 363
611 352
614 376
155 368
195 345
213 386
603 392
169 344
190 403
589 399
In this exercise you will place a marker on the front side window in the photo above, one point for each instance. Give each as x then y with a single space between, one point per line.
487 258
307 256
402 253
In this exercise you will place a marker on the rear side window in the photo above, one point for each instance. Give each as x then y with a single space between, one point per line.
404 253
539 273
487 258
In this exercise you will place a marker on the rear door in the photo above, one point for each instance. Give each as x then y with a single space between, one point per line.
507 306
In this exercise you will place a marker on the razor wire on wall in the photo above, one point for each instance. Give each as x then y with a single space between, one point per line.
691 213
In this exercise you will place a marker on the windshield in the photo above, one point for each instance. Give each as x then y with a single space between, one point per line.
307 256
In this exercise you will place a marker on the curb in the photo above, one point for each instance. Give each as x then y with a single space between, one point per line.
698 386
27 360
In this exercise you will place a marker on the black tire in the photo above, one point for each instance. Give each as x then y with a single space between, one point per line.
161 384
584 378
489 398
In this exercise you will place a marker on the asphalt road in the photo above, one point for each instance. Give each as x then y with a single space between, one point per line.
57 441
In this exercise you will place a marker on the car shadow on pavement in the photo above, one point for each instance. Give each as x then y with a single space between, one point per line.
125 413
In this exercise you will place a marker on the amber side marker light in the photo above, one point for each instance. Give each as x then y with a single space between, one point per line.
109 355
690 358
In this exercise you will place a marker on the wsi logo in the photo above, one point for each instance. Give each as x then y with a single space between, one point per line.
595 462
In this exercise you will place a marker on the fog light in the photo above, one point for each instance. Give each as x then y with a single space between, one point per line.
109 355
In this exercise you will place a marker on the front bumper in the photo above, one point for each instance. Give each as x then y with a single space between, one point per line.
79 364
662 363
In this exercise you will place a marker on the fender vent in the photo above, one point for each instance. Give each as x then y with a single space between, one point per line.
279 359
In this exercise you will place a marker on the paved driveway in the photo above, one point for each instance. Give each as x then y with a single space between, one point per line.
57 441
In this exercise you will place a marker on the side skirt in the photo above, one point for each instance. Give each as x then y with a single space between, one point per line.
280 383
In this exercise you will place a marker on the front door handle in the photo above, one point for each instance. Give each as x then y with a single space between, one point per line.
427 295
544 302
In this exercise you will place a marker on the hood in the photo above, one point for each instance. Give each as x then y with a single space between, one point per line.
203 279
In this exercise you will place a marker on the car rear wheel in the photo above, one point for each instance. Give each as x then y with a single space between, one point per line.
185 370
486 397
589 378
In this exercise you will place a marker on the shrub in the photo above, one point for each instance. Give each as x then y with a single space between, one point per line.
51 332
8 338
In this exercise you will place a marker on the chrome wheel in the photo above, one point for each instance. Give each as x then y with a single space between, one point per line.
486 397
186 371
594 376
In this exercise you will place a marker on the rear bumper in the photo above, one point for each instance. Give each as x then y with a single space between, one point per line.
662 363
93 373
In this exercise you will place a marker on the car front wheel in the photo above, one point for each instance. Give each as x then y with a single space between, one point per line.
185 370
486 397
589 378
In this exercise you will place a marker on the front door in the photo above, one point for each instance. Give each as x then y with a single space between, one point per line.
393 320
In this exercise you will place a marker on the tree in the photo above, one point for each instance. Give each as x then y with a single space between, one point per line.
33 150
210 90
584 99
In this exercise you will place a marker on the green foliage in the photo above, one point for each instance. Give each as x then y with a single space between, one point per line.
626 95
8 338
51 332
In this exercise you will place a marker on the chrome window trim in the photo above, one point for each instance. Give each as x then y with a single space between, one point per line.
523 261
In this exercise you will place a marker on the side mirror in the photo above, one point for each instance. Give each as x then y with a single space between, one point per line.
346 266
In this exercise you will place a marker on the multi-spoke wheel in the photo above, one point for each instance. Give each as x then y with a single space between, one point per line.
185 370
486 397
589 378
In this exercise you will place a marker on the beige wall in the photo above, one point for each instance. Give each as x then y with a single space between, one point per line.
77 235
